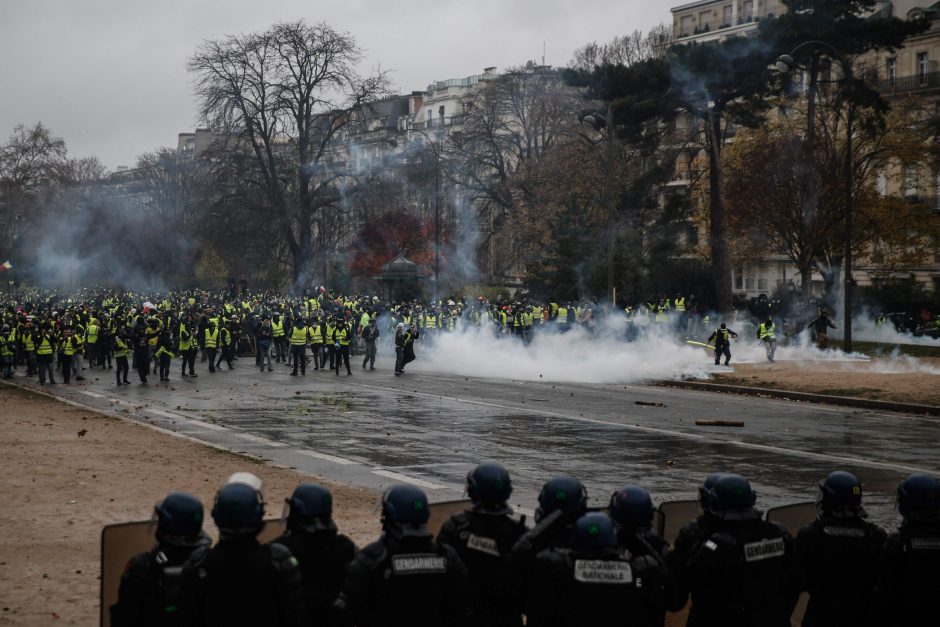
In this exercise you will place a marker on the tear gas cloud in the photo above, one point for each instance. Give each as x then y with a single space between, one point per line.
606 357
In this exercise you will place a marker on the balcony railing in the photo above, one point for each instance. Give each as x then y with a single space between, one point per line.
915 82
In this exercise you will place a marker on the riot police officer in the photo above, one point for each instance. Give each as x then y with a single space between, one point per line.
690 536
562 500
483 537
631 508
239 581
594 582
405 578
322 551
908 584
151 586
744 573
838 555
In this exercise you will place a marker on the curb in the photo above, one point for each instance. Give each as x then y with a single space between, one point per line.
789 395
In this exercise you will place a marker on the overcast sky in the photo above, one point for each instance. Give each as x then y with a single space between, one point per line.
109 76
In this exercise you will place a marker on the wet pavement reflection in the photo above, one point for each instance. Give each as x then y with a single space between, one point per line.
433 428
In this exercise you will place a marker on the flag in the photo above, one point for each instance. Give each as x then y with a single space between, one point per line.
6 265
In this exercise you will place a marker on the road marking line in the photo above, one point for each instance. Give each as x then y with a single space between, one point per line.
397 476
165 414
260 440
92 394
205 425
330 458
669 432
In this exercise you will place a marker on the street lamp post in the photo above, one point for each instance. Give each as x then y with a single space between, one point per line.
785 64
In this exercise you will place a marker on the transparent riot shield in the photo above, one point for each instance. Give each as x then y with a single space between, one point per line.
672 516
119 543
793 517
442 511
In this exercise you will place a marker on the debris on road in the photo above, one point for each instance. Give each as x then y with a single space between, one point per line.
650 404
719 423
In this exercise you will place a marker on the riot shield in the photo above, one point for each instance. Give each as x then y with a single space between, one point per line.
442 511
273 528
673 515
793 517
119 543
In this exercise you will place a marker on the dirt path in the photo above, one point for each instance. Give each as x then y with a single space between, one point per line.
901 379
59 489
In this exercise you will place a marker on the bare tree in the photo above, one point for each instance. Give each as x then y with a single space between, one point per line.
508 126
286 93
625 50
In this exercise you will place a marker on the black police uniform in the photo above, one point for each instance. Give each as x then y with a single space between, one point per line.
690 536
667 597
838 559
483 539
240 582
909 575
605 586
151 590
743 575
404 582
324 557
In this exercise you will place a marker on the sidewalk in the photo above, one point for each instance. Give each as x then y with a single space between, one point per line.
894 381
66 472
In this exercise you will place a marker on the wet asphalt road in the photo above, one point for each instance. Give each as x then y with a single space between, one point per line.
373 429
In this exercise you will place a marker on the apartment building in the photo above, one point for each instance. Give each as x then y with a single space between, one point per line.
912 70
714 20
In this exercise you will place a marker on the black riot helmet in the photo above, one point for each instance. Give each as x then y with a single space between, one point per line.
310 509
179 520
707 485
840 495
631 506
732 498
919 498
593 531
238 511
489 484
562 493
405 511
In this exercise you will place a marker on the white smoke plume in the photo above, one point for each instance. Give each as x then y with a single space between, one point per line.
605 356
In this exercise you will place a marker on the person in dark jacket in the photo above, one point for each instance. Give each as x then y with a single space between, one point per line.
744 574
323 552
405 579
908 583
151 591
483 537
370 335
240 582
838 556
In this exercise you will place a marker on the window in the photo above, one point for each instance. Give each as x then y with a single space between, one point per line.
739 279
686 24
922 68
762 285
892 68
704 20
911 182
727 16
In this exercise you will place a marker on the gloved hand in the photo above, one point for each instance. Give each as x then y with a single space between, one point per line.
336 345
